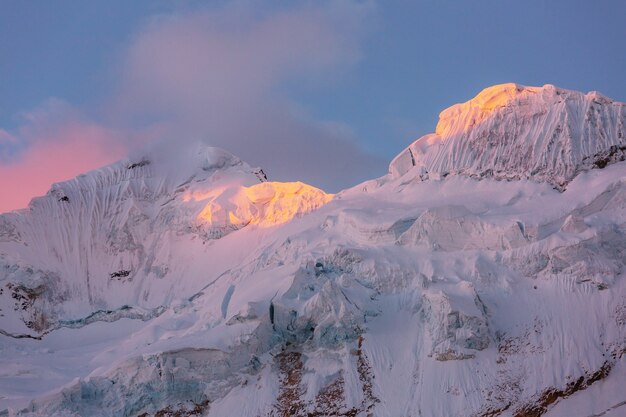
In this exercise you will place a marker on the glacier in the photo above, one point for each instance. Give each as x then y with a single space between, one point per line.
482 276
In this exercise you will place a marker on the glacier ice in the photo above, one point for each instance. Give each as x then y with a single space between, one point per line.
483 276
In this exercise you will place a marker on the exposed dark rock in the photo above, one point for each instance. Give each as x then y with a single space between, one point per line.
182 411
540 406
289 401
122 273
139 164
260 174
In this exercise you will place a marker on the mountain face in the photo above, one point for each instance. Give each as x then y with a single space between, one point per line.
514 132
123 236
483 276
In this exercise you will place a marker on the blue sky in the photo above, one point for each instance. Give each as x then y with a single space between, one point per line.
339 87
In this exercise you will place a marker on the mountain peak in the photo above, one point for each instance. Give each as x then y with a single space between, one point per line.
511 131
512 95
181 282
96 229
265 204
155 171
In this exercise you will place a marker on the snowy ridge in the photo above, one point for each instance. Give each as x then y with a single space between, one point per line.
511 131
209 292
100 241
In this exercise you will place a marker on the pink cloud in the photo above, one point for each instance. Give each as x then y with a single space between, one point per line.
232 54
223 76
216 75
6 137
53 152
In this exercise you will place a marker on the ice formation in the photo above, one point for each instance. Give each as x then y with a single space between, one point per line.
483 276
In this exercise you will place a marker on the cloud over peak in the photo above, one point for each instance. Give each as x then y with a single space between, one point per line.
223 75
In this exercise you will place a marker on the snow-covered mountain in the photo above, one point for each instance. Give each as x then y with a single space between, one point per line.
123 236
483 276
511 131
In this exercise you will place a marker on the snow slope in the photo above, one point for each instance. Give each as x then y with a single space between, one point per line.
408 295
115 242
511 131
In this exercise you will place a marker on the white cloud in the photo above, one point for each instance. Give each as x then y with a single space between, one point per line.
218 76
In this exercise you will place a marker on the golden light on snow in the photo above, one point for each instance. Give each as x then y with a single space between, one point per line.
463 116
264 204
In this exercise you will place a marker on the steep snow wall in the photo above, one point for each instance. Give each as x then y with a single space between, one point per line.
511 131
123 235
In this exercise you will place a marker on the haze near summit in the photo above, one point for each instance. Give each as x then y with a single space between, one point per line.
322 92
